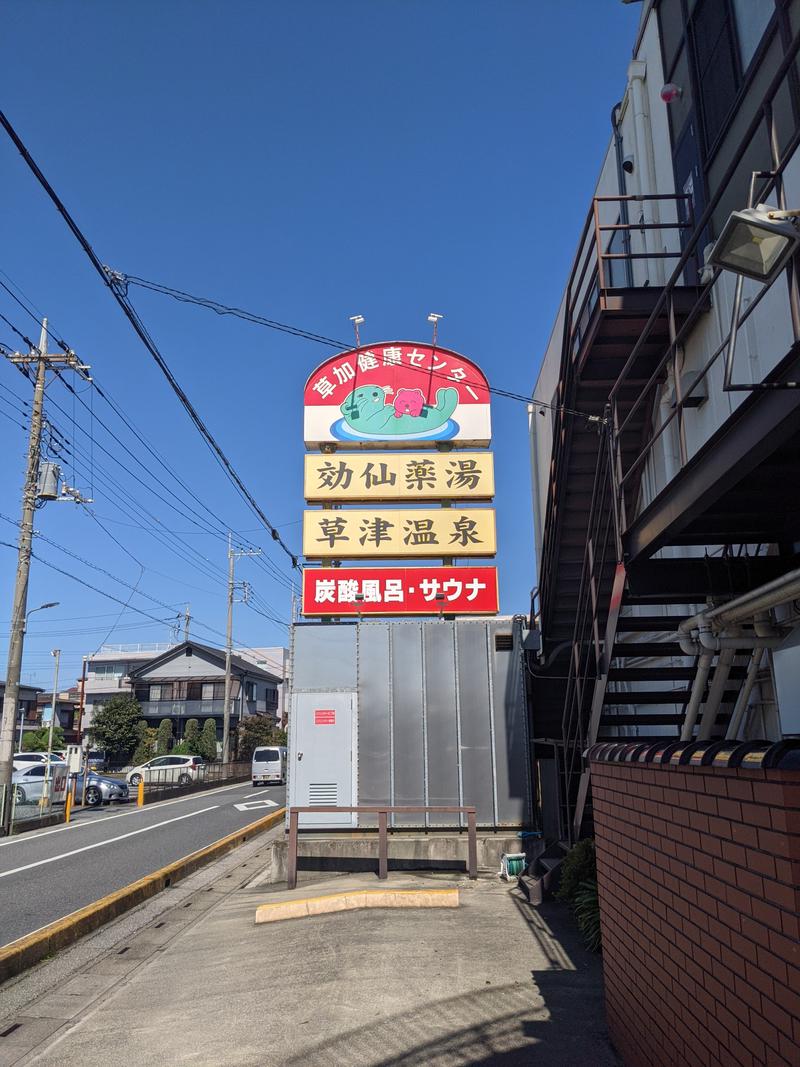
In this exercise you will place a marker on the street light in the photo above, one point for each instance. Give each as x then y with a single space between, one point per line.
52 604
756 242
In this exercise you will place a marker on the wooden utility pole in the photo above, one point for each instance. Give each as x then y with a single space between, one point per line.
42 360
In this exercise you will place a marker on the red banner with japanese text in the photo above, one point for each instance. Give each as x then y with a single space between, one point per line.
400 591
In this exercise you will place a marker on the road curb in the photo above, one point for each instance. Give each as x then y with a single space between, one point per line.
30 949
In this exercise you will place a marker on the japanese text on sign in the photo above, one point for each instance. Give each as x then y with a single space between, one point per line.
400 591
393 534
400 476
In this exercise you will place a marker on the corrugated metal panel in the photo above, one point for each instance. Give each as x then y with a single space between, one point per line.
409 772
439 684
374 716
324 658
476 739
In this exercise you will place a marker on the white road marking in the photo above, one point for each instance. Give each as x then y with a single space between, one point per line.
251 805
108 841
25 839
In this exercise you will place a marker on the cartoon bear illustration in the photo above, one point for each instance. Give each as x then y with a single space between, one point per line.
408 402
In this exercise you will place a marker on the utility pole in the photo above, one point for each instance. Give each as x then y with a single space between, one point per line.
42 359
226 703
57 653
187 618
49 768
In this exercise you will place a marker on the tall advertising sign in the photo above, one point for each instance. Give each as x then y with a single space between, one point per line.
390 396
397 394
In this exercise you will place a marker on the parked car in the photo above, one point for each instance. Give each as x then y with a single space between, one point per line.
182 770
28 781
269 764
101 789
36 757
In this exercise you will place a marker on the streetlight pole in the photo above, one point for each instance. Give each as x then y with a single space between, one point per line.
57 654
48 774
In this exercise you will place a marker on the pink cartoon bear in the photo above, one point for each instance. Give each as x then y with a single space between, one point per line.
408 402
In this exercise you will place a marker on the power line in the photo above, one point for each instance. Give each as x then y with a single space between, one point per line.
118 291
267 564
259 320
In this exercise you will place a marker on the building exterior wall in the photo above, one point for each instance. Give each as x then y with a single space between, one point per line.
698 871
767 336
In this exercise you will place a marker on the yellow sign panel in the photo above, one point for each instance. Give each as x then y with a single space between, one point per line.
399 476
383 533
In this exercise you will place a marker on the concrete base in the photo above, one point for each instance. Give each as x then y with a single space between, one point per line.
353 900
408 851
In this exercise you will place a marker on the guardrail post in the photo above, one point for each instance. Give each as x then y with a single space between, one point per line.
291 878
383 845
472 845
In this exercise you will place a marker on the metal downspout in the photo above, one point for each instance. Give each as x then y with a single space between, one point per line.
624 218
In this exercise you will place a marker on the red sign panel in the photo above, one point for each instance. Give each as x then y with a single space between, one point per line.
398 393
400 591
324 717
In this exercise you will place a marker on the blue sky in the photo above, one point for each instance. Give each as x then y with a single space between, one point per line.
308 161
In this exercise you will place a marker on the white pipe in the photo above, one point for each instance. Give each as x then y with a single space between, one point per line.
645 165
712 643
698 689
715 693
743 698
771 595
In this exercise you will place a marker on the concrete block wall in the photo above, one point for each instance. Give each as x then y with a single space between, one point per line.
698 872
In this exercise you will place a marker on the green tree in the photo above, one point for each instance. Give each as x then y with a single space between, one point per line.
164 737
115 727
36 740
191 737
258 730
208 739
146 745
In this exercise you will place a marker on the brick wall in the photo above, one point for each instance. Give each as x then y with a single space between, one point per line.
698 870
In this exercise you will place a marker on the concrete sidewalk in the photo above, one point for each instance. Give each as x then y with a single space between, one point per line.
493 982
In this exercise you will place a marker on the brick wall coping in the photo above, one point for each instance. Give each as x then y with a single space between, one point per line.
746 755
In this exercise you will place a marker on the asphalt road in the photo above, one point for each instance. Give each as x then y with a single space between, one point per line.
49 873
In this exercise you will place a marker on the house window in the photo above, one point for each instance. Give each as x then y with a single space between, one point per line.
155 692
716 66
108 670
207 691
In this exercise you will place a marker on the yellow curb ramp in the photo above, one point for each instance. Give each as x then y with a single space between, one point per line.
356 899
18 955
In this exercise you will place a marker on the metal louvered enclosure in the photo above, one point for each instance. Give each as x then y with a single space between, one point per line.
410 712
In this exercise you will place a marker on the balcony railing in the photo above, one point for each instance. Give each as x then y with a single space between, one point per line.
164 709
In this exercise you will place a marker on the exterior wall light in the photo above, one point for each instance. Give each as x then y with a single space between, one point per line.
756 242
670 92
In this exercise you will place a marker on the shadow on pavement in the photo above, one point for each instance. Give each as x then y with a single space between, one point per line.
556 1020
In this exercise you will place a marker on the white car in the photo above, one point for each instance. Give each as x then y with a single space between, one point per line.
28 781
36 757
182 770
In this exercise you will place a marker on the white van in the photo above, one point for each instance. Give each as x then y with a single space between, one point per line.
269 765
